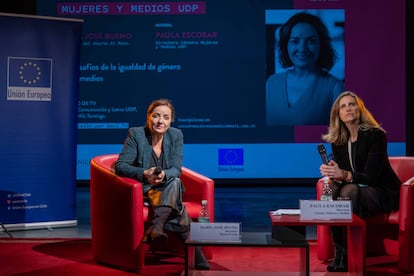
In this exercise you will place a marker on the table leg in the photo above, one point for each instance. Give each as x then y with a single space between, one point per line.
356 249
304 261
188 259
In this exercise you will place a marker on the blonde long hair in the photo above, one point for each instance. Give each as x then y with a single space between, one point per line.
338 132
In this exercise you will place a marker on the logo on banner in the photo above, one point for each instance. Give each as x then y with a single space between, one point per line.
29 79
231 157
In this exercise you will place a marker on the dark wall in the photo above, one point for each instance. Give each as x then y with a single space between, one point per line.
19 6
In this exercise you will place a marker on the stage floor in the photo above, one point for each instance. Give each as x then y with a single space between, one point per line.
249 205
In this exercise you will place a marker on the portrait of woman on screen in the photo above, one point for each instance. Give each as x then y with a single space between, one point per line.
303 93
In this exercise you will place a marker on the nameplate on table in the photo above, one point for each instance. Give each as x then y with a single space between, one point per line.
215 231
325 210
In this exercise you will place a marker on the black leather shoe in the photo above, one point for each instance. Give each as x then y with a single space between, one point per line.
343 263
336 261
331 267
340 269
339 264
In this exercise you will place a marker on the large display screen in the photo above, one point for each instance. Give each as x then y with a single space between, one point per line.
219 63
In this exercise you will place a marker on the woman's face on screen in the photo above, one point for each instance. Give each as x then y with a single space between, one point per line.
303 46
159 120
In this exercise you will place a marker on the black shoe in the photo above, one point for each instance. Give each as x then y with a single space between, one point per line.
343 263
336 261
338 258
331 267
337 268
339 264
341 269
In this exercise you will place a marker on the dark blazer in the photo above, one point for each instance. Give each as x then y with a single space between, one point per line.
136 154
372 166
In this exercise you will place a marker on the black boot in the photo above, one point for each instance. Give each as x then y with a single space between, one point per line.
343 262
156 231
340 262
337 258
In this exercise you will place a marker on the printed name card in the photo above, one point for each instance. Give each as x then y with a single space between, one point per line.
325 210
215 231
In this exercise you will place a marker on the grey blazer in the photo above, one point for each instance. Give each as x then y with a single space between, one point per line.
135 156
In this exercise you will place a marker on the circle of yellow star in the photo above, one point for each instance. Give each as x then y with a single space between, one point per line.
30 66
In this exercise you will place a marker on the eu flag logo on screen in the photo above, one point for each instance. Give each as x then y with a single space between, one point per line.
231 156
29 72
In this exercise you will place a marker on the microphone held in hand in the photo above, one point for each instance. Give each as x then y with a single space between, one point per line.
322 153
326 193
157 171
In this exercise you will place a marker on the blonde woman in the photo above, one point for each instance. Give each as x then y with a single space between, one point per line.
360 167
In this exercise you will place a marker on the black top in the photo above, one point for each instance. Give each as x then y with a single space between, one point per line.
372 166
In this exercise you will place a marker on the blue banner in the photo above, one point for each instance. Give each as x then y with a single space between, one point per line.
39 76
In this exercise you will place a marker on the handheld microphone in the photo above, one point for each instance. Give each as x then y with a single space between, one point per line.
322 153
157 171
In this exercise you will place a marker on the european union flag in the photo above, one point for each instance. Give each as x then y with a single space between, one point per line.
231 157
27 72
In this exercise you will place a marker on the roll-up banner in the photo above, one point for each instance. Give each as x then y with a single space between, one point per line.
39 79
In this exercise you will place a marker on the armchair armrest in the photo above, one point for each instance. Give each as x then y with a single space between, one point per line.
407 203
406 226
116 215
197 188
